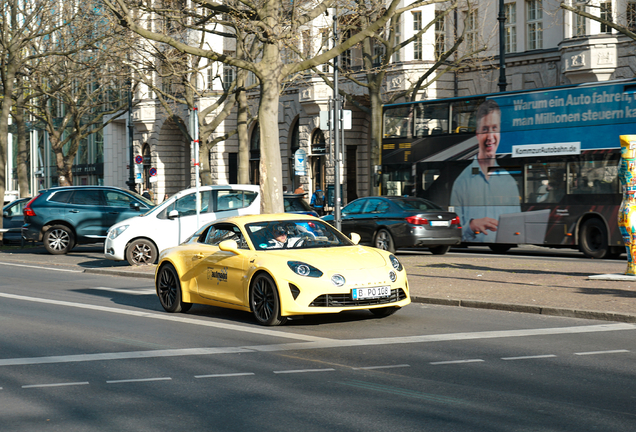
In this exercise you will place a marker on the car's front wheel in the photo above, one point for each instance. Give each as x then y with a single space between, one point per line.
384 241
264 301
169 290
58 240
141 252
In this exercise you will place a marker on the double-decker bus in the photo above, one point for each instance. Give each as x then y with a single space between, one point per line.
529 167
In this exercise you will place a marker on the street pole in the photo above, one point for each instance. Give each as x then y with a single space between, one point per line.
502 47
336 127
195 139
131 157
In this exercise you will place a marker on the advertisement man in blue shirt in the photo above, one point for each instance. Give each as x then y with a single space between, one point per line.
484 191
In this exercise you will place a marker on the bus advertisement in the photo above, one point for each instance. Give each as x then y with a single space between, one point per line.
531 167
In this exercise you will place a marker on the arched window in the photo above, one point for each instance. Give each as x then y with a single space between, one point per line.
147 161
255 154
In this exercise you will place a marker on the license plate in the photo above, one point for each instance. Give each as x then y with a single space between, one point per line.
370 293
439 223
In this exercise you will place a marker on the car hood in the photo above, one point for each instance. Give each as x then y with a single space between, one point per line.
343 258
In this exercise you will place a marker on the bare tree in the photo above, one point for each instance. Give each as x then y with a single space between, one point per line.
272 22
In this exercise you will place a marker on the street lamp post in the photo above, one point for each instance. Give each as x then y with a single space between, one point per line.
336 134
502 47
131 157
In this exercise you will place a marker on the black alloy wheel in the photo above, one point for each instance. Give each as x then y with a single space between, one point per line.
264 301
169 290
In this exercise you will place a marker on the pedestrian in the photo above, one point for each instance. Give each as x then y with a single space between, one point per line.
300 190
318 202
146 194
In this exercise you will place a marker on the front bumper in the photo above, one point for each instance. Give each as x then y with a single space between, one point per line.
113 251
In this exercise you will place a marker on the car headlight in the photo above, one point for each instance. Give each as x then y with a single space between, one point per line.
114 233
392 276
396 263
303 269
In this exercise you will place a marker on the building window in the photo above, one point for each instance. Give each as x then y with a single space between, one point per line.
606 14
397 36
417 44
631 16
580 22
440 34
510 27
534 24
229 76
471 30
324 47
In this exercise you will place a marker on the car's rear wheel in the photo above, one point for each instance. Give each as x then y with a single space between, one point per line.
141 252
384 241
169 290
265 302
593 239
384 312
439 250
58 240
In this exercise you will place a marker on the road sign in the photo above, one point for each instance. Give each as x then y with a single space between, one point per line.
152 172
139 159
299 162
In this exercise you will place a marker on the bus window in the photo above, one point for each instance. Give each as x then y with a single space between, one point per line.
545 182
593 177
464 116
431 119
428 178
397 121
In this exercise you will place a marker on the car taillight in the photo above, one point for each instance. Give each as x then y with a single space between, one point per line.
455 221
28 211
417 220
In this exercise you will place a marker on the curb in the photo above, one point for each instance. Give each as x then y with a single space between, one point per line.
120 273
539 310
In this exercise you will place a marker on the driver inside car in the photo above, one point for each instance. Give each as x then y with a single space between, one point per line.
281 240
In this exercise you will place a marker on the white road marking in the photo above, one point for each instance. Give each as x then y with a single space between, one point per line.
529 357
304 371
382 367
225 375
55 385
167 317
138 380
42 268
147 291
602 352
457 361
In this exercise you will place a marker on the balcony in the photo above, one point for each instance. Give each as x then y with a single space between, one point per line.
589 58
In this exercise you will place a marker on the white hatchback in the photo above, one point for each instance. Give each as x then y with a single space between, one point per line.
139 240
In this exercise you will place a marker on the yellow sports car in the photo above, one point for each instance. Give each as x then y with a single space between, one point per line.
277 266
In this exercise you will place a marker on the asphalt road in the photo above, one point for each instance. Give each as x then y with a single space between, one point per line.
87 352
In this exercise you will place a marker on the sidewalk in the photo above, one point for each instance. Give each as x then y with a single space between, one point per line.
558 286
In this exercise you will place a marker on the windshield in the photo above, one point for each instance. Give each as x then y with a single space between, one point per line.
295 234
416 204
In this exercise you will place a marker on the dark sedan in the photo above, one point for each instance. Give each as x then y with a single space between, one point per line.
393 222
12 221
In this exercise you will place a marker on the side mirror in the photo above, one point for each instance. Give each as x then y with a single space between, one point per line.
229 246
355 238
135 206
174 214
5 214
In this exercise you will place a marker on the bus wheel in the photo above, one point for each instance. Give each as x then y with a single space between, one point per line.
500 248
593 238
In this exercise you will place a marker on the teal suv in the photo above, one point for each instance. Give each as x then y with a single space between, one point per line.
63 217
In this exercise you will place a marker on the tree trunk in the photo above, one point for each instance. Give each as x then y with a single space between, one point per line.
376 137
205 171
23 154
243 138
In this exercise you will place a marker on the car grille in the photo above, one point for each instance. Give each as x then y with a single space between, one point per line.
344 300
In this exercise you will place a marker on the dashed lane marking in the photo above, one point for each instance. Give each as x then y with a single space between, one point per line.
602 352
542 356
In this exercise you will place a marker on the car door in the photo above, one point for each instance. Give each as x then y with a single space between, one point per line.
122 206
13 219
220 275
186 223
87 213
349 216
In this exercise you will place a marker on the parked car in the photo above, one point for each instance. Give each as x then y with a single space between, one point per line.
63 217
277 266
12 220
140 239
392 222
296 203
